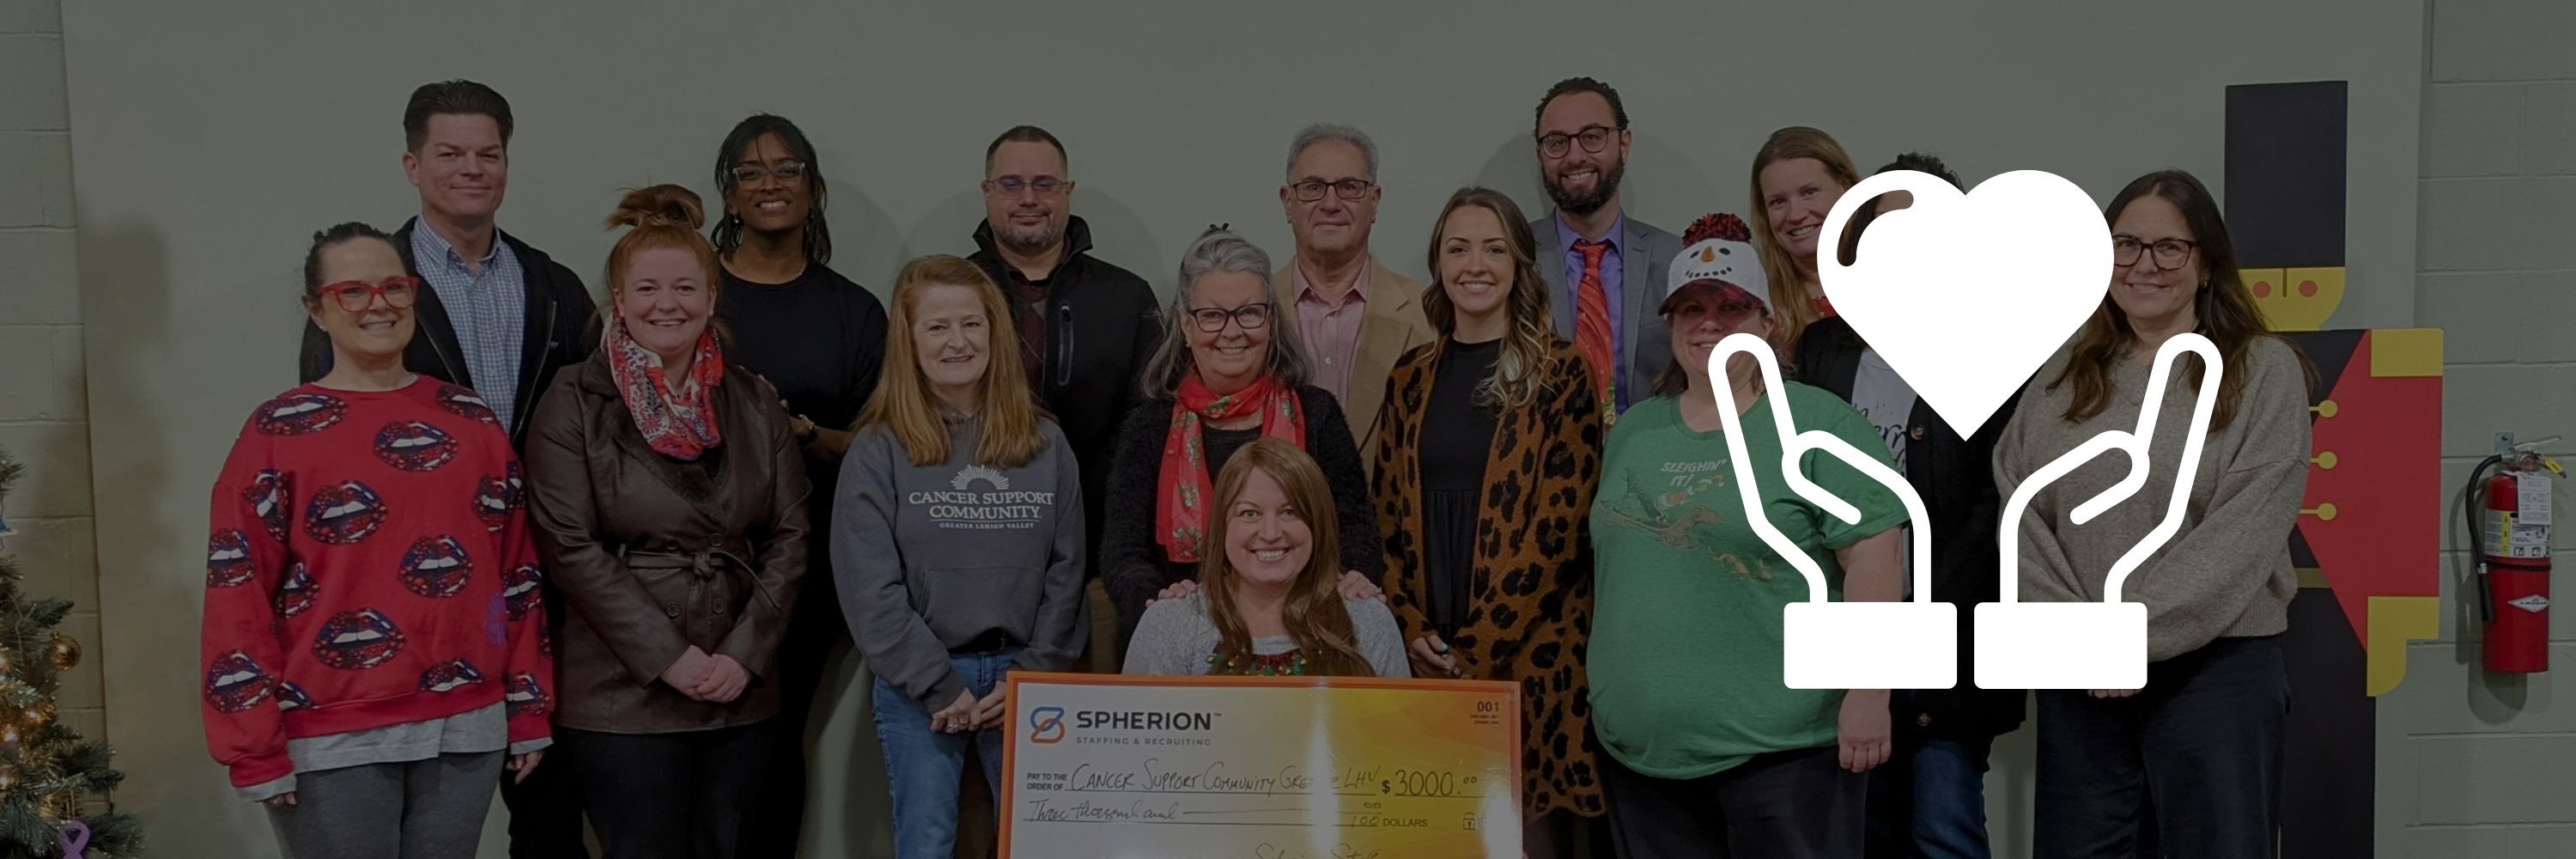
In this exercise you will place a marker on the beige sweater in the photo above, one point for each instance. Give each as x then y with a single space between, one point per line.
2227 571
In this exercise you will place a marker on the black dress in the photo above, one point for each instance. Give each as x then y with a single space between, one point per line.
1458 436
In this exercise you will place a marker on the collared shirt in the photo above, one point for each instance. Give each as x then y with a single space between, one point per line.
488 307
1613 289
1332 331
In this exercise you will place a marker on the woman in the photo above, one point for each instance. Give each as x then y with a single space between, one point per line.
669 497
372 713
1797 176
1270 601
1223 376
962 511
2202 744
818 337
1930 800
1488 445
1709 754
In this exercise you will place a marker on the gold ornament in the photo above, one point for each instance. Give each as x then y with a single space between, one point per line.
65 651
9 738
37 714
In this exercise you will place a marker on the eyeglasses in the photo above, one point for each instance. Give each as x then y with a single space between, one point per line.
355 296
1312 190
2170 254
1250 316
1728 313
751 174
1013 185
1593 137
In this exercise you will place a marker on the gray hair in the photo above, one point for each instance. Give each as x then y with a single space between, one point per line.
1221 251
1324 131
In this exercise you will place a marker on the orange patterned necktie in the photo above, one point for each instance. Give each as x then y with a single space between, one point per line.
1592 323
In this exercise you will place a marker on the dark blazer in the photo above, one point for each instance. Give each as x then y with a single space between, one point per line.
1956 479
559 332
654 555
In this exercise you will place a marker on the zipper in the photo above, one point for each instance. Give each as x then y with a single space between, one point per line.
1063 342
528 392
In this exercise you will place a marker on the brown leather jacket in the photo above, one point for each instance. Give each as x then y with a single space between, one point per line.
654 555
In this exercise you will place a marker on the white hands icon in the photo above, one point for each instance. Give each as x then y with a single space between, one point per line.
1840 645
2092 645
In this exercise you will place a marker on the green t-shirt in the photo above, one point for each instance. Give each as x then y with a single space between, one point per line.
1685 650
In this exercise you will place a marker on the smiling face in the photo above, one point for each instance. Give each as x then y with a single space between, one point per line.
1267 540
378 332
1578 181
769 203
1232 356
1702 315
1797 193
2144 290
1028 220
462 168
951 339
665 300
1475 261
1331 225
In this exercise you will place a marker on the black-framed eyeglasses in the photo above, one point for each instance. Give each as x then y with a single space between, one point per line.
1593 138
1251 317
2169 254
1312 190
355 296
1013 185
751 174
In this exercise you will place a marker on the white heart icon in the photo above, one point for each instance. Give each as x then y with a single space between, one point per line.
1967 295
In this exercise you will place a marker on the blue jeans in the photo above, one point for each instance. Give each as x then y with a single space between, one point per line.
923 766
1929 800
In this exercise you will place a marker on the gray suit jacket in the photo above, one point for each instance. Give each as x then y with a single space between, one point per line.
1645 256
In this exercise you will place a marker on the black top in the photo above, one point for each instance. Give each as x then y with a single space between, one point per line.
819 338
1459 437
1132 559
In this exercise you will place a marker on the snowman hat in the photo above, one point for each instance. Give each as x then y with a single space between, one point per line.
1717 253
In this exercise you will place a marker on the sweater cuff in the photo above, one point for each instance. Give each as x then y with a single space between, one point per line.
536 745
267 790
262 769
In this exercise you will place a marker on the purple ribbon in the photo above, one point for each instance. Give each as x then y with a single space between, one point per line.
72 839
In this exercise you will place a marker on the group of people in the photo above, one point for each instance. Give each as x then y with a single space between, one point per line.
625 536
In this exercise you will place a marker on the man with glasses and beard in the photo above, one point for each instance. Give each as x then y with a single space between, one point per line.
1591 250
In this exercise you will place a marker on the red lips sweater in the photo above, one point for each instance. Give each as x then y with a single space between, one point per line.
370 566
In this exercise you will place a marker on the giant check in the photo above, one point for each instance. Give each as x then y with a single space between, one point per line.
1106 766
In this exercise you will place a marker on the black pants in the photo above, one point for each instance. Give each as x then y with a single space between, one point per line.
1797 804
2188 767
776 819
545 810
670 796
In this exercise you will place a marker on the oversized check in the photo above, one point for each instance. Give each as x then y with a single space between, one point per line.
1110 767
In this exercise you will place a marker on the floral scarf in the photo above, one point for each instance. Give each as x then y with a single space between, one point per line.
678 421
1180 517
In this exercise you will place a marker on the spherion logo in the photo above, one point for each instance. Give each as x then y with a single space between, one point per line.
1046 725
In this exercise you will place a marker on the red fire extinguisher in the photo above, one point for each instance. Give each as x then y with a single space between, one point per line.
2509 526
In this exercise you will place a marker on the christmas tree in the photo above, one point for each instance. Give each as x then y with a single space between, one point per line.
48 774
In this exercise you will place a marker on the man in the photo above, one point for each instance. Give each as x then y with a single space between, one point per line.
499 317
1355 316
1591 251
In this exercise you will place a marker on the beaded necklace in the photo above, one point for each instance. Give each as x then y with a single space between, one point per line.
1292 662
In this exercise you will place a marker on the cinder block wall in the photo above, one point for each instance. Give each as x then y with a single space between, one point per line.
44 419
2489 762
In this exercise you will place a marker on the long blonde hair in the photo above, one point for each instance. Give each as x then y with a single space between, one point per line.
904 403
1314 615
1525 359
1789 301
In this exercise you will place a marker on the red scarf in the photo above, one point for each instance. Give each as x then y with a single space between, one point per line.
681 422
1180 517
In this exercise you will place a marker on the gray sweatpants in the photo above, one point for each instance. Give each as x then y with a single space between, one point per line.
425 809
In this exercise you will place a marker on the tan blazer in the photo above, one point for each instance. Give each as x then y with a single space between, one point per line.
1393 326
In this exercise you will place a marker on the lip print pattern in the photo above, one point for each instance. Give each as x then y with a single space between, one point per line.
355 640
449 676
465 404
526 696
545 643
521 588
292 697
228 559
235 684
514 489
296 593
344 514
298 414
492 503
436 567
414 446
269 496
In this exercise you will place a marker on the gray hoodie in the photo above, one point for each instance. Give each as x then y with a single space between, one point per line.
938 556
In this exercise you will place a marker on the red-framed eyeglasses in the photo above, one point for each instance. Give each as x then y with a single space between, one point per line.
355 296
